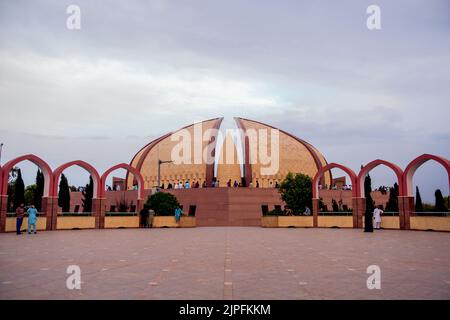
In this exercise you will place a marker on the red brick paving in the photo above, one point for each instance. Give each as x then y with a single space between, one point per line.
225 263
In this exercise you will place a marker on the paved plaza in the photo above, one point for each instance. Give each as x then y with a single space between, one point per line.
225 263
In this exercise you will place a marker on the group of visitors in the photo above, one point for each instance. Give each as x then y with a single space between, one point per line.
214 184
335 187
188 185
185 185
146 216
32 218
306 212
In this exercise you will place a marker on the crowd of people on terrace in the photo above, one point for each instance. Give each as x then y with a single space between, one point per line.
335 187
215 183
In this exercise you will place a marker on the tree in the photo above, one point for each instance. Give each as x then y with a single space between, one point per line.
334 205
19 190
392 204
419 205
164 204
64 194
322 206
440 202
12 176
88 194
368 225
30 193
296 191
40 182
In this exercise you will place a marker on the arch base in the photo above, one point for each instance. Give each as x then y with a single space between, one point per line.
359 208
3 209
406 210
50 207
98 211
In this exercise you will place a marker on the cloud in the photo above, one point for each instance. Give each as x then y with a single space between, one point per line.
139 69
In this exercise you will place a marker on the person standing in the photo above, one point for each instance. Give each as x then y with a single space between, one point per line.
377 212
20 212
32 218
144 216
178 213
307 211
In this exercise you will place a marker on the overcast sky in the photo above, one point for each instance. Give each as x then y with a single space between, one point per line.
138 69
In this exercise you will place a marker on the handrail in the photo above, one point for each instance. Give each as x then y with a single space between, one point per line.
123 213
13 214
75 214
391 213
335 213
431 214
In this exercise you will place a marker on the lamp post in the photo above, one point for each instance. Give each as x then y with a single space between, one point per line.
160 162
1 147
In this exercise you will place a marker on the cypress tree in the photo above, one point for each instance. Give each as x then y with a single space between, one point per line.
392 204
368 223
419 205
40 182
64 194
440 202
19 190
88 194
334 205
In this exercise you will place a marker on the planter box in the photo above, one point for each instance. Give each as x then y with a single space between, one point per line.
169 222
269 222
390 222
294 221
121 222
335 221
430 223
287 221
11 224
75 223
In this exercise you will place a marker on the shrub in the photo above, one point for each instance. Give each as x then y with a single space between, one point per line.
275 212
164 204
296 192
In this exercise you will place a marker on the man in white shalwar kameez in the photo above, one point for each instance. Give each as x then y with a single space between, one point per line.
377 217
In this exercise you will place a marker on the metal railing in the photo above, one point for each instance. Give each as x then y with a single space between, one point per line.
120 214
75 214
391 213
335 213
13 214
431 214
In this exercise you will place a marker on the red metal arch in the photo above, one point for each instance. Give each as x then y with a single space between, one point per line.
371 165
46 170
95 176
129 168
328 167
415 164
1 179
